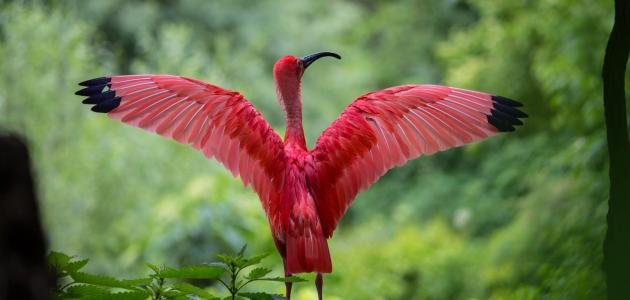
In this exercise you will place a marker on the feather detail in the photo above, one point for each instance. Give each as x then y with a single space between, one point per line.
218 122
384 129
304 193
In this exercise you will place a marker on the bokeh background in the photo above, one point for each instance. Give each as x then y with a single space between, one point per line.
519 216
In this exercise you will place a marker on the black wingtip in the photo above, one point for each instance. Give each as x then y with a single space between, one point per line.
105 101
106 106
504 116
99 98
506 101
96 81
500 124
91 90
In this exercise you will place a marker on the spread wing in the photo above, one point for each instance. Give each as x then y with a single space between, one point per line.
386 128
218 122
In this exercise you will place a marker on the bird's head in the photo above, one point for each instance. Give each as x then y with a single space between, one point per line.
287 73
289 68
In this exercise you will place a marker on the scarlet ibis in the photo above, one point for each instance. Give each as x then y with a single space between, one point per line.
304 192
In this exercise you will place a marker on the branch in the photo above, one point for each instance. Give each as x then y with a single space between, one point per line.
617 242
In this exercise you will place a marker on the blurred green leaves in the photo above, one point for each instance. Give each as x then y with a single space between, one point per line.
193 272
73 284
520 216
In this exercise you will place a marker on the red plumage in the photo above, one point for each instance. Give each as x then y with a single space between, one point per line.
304 193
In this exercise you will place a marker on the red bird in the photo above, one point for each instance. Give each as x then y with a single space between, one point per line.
304 192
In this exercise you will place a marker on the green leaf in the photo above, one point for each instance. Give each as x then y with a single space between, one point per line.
242 252
257 273
58 259
92 292
246 262
81 290
220 265
129 295
135 282
171 293
185 297
259 296
294 279
283 279
101 280
153 267
187 288
193 272
226 259
76 265
239 261
237 298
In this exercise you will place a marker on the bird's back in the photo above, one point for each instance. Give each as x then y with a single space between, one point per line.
301 230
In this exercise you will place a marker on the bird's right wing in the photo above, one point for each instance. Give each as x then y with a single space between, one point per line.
218 122
384 129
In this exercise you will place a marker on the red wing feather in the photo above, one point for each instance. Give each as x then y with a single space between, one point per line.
384 129
218 122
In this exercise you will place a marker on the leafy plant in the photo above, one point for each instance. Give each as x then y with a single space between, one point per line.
165 282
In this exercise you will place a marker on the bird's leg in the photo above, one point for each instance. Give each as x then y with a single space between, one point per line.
319 283
287 284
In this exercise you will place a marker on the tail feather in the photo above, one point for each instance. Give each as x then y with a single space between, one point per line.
308 253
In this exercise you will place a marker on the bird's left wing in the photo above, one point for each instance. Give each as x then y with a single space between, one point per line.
218 122
384 129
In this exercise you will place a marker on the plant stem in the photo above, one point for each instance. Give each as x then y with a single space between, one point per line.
224 284
158 292
233 289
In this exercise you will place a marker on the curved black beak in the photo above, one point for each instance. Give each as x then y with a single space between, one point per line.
309 59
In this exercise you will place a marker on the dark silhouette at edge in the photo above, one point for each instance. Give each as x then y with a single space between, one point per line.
24 273
617 241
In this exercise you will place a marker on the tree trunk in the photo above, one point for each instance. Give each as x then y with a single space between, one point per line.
617 242
24 273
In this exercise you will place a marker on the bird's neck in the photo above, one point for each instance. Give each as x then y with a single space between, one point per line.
290 99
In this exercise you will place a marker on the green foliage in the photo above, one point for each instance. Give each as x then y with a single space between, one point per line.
520 216
74 284
193 272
